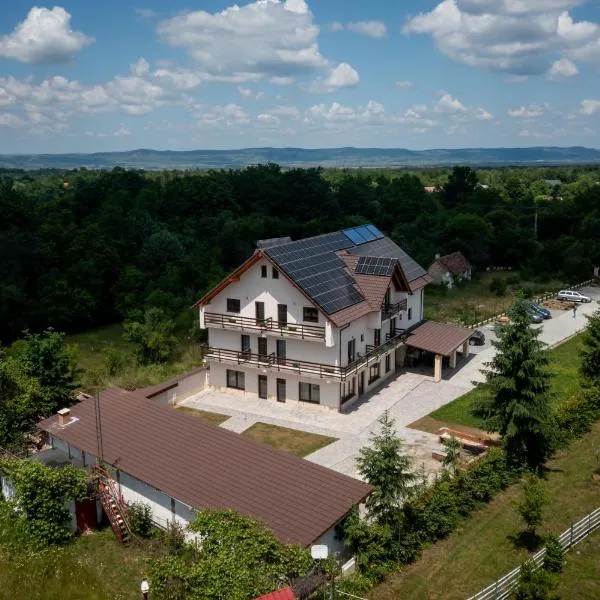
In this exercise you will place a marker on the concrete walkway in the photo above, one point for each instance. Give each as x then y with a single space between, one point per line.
409 397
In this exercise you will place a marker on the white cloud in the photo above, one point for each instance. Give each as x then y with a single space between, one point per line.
521 37
265 37
291 112
140 68
336 26
561 69
122 131
45 36
276 80
404 84
342 76
10 120
145 13
528 112
482 115
448 104
179 79
590 107
374 29
248 93
268 119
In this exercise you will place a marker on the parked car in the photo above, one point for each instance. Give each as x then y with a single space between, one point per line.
541 310
536 317
477 339
572 296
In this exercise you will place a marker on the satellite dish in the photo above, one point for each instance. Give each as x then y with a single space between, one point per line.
319 552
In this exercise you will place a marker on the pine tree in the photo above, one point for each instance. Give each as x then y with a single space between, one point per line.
518 406
384 465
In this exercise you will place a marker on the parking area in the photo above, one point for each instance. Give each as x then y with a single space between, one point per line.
410 396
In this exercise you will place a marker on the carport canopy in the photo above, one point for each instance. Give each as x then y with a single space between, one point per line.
438 338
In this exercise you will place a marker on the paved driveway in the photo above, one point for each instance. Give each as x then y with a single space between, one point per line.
408 397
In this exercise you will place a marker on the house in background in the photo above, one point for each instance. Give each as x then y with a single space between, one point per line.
450 269
316 322
178 464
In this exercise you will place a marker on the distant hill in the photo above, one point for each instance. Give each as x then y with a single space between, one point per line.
299 157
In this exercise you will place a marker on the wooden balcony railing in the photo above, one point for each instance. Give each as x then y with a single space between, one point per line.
294 330
303 367
389 310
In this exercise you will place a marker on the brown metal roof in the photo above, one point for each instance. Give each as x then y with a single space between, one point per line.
439 338
205 466
454 263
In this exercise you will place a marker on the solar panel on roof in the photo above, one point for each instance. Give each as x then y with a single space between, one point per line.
376 233
366 233
355 236
373 265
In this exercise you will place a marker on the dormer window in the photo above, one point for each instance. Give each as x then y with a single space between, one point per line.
263 271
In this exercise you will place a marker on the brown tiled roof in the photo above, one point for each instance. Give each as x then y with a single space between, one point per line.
439 338
455 263
205 466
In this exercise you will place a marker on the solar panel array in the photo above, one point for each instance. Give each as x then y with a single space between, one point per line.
373 265
363 234
386 248
313 265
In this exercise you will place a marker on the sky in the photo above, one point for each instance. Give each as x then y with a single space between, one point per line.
81 76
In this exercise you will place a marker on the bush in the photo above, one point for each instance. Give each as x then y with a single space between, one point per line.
153 337
534 499
535 585
174 537
555 555
498 286
114 360
140 519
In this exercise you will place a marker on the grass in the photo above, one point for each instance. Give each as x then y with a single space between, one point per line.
581 576
298 443
93 567
564 364
484 548
93 343
472 301
209 417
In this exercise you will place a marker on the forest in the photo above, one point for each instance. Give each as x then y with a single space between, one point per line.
84 248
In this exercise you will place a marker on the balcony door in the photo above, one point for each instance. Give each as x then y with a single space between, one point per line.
281 390
282 314
262 387
259 308
262 346
351 350
361 383
376 337
281 351
246 346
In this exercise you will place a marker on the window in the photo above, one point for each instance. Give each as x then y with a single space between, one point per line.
376 337
262 387
275 273
409 314
262 346
362 337
263 271
388 363
351 350
245 344
233 305
259 310
310 314
348 390
309 392
281 350
236 380
282 314
373 373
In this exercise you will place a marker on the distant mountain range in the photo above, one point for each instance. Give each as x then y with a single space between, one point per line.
299 157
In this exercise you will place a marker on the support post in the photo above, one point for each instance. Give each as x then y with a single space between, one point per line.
465 351
437 373
453 360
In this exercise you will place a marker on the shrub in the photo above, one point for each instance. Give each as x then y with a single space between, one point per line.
174 537
555 555
140 518
498 286
535 585
114 360
534 500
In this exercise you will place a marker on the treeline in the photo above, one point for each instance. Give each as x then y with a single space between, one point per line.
86 248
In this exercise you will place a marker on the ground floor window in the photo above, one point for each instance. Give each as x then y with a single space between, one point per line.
373 373
309 392
388 363
348 389
236 380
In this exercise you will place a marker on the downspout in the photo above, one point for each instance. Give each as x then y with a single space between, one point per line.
341 329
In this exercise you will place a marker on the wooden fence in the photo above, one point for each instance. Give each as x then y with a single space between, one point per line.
539 299
503 588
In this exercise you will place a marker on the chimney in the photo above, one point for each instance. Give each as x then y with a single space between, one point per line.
64 416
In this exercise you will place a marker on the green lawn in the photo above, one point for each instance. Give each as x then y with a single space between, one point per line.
483 549
580 578
209 417
298 443
564 364
471 302
93 567
93 343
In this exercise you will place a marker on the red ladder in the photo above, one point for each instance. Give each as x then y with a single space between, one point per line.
113 504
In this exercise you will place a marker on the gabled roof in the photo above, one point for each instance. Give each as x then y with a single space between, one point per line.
454 263
318 267
285 593
205 466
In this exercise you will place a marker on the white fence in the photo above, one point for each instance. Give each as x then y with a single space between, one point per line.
503 588
539 299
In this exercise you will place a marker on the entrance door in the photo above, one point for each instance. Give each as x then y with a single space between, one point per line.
361 384
281 390
259 308
262 387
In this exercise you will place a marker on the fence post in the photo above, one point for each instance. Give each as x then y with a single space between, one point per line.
571 542
496 590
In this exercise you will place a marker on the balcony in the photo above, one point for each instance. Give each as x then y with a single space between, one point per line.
389 310
289 330
302 367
